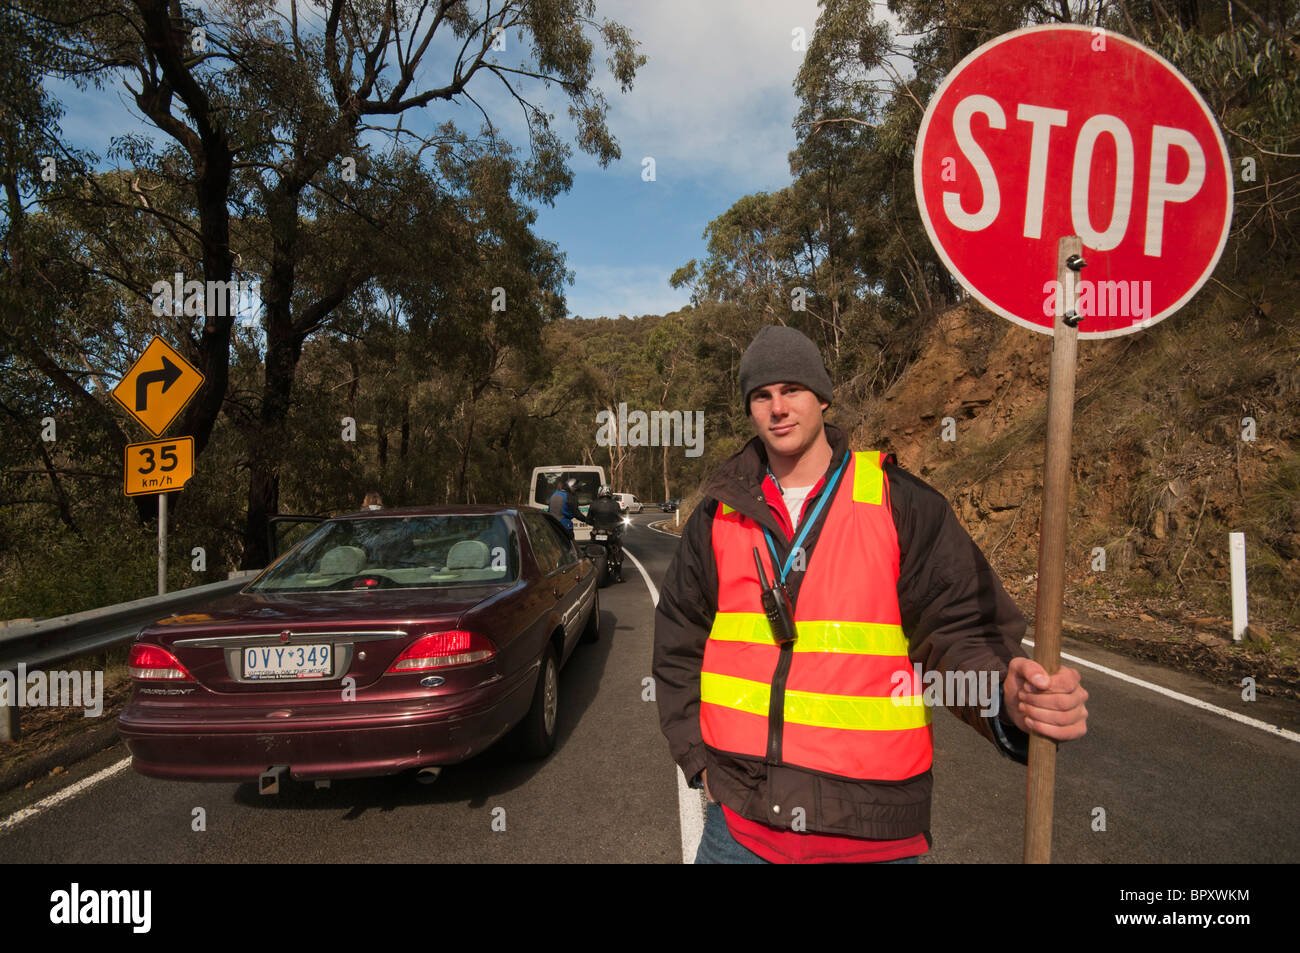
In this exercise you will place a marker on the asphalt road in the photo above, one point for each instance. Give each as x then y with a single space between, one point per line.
1176 783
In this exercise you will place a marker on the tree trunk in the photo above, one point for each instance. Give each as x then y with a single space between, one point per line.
667 495
283 348
403 446
464 457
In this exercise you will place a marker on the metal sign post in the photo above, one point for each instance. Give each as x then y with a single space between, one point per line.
162 544
154 391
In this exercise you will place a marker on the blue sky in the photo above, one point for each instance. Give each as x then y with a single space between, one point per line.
713 106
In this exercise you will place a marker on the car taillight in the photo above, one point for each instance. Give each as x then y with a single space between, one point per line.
443 649
150 662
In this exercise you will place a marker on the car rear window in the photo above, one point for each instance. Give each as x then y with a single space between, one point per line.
399 552
585 490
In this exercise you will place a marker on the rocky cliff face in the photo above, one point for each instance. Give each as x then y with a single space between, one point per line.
1182 433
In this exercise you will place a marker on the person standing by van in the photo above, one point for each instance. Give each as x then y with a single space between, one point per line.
561 505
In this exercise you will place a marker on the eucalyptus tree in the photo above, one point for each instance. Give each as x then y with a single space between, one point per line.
298 153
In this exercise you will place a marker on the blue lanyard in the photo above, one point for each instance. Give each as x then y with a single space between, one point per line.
807 523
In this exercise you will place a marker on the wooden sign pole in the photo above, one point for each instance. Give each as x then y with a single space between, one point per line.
1051 544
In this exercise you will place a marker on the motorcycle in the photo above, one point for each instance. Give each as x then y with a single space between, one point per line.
604 550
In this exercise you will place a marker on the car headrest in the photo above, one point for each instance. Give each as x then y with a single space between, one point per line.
348 560
468 554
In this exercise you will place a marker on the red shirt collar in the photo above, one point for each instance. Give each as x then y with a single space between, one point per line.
776 502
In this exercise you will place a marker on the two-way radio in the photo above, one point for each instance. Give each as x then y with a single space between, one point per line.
776 605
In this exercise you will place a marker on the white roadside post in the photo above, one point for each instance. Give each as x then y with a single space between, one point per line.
1237 549
8 713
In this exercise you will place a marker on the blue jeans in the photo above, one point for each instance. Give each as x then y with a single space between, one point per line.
717 846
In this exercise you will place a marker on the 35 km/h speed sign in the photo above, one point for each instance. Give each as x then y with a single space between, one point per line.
1068 130
158 466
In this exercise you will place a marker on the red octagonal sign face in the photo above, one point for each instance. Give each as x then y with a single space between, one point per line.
1067 130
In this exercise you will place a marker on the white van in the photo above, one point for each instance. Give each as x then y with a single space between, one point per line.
547 479
629 503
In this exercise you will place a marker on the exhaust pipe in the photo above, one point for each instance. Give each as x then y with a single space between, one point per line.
269 781
428 775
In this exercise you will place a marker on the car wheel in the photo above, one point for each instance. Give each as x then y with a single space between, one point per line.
537 730
592 631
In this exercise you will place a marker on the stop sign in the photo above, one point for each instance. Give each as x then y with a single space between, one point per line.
1069 130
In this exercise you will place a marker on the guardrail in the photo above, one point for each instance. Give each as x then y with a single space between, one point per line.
38 645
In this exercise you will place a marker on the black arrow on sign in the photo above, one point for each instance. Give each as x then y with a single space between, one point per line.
169 374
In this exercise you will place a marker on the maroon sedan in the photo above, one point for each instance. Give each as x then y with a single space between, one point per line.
384 641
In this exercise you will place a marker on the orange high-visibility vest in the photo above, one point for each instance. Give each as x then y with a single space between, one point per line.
850 703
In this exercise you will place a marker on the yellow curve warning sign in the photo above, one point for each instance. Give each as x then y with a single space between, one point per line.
158 386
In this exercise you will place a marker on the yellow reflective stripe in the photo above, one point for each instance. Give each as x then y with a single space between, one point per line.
853 638
742 627
856 713
727 509
868 478
847 712
741 694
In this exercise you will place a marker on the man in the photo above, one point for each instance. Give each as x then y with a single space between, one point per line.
817 748
562 504
605 514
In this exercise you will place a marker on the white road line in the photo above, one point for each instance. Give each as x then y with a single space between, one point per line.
690 811
1179 696
690 808
71 791
654 593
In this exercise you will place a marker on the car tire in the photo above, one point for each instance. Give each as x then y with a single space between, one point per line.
591 633
537 730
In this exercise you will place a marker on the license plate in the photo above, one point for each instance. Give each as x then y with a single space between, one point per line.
288 661
600 536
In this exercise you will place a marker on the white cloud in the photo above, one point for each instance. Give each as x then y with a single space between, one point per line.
611 290
715 96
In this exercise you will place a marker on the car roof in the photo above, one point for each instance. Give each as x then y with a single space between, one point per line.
464 509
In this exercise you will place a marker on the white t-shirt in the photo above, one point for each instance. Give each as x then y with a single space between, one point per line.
794 497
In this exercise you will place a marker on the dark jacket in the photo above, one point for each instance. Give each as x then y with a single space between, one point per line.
954 611
604 513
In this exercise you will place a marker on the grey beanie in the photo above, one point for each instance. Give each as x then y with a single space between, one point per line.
783 355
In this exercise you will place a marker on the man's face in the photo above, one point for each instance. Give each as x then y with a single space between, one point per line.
787 417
